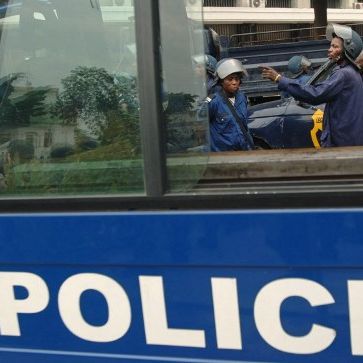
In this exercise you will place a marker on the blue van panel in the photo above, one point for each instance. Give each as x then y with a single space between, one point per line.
183 256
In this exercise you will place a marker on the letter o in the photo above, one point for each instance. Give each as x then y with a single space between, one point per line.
119 309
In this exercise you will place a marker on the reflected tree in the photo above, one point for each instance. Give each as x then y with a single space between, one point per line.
103 105
18 110
184 131
88 94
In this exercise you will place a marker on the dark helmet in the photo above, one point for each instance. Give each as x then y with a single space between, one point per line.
227 66
211 64
352 42
297 64
207 60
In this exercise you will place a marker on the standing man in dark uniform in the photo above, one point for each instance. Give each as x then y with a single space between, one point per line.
342 91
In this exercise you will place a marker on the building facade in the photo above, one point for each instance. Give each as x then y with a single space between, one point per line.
340 4
266 16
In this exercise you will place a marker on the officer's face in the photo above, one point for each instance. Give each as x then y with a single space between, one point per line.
231 83
336 48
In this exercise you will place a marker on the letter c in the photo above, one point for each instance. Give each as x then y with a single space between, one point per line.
267 316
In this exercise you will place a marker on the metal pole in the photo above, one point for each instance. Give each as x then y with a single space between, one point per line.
149 83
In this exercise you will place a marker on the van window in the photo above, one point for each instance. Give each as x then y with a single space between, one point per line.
69 98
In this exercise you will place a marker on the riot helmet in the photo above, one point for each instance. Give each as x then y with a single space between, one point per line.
227 66
206 60
210 64
297 64
352 42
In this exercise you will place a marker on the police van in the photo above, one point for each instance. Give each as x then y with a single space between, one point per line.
124 240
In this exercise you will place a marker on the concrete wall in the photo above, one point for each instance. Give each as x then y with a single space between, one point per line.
301 4
239 15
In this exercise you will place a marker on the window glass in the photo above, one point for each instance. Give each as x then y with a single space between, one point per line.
69 115
182 40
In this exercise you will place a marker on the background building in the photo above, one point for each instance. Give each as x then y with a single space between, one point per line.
270 16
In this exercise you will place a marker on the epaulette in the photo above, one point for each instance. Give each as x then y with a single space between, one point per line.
210 98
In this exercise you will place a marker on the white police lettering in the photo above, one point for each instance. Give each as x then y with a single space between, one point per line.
119 309
36 301
226 313
225 305
355 298
155 318
267 316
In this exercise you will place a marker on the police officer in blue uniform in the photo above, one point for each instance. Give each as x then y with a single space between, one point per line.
227 109
342 91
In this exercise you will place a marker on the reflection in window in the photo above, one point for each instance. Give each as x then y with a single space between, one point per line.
68 97
47 141
30 138
183 93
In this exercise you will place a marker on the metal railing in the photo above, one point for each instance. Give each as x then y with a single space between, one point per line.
278 4
280 36
219 3
332 4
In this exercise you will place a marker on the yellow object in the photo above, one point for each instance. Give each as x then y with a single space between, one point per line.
318 126
277 77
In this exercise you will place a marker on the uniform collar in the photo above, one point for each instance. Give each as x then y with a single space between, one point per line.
237 95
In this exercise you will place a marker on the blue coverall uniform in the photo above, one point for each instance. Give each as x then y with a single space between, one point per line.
343 94
302 79
225 132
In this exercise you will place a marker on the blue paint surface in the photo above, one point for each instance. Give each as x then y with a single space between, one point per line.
186 250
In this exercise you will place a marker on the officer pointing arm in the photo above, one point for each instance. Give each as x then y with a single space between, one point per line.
342 91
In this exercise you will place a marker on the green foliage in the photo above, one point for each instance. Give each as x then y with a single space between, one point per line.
104 111
20 150
180 103
88 94
182 129
107 104
76 177
61 150
119 150
123 127
18 110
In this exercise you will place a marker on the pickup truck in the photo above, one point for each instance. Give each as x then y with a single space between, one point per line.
276 54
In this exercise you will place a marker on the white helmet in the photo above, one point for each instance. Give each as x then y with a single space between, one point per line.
352 42
227 66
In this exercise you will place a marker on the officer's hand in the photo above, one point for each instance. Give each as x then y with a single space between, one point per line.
269 73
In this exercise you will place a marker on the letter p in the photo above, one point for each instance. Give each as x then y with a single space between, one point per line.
36 301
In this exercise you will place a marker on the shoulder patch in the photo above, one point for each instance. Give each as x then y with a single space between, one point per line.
209 98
